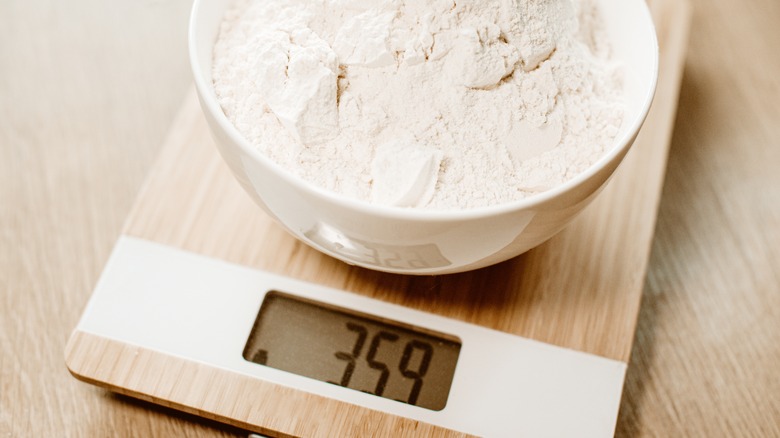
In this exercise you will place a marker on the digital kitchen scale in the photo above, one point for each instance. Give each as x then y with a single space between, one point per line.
208 306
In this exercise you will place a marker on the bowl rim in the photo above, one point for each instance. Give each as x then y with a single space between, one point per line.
209 101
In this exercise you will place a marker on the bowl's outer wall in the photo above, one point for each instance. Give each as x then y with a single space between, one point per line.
392 243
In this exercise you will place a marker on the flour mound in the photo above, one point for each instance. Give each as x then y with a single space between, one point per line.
437 104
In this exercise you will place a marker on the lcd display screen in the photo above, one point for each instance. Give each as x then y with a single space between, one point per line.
354 350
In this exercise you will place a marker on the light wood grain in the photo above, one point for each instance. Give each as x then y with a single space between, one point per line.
89 88
707 351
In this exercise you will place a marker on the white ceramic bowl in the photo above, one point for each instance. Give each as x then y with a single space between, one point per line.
413 241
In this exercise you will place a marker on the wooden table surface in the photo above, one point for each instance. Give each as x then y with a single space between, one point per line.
88 89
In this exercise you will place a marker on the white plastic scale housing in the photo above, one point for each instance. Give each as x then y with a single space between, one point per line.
202 310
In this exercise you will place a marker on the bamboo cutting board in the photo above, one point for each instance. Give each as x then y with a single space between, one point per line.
581 290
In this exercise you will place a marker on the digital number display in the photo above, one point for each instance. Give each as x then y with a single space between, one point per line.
354 350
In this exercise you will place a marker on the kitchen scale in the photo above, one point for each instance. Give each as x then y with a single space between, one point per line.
207 306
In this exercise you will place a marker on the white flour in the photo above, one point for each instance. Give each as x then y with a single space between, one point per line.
437 104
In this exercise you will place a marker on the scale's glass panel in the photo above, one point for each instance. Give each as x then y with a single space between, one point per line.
354 350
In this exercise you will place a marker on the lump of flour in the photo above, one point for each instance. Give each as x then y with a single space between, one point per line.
437 104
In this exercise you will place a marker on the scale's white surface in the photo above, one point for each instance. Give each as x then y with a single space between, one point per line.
544 339
202 310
